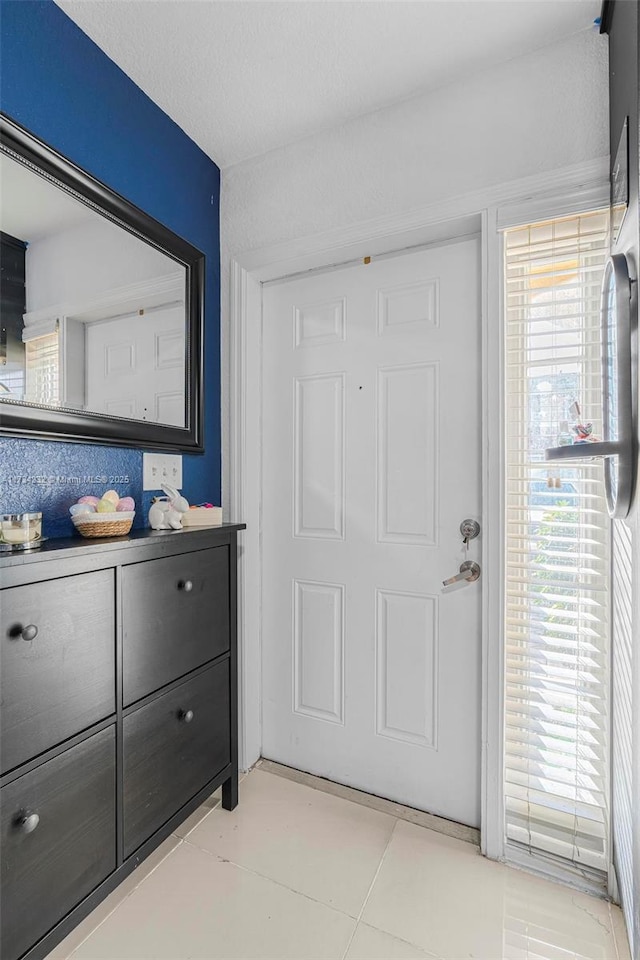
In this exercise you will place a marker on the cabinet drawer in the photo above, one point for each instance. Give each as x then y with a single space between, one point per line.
71 848
172 747
58 662
175 618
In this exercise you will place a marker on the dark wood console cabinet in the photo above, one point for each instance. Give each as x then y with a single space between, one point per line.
118 717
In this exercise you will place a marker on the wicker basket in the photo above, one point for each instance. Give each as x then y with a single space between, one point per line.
103 524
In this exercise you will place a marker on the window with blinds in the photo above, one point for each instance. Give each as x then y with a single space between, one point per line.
557 550
42 368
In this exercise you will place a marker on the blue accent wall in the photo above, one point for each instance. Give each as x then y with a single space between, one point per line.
59 85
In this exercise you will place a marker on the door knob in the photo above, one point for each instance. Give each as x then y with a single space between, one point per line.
469 571
26 821
186 586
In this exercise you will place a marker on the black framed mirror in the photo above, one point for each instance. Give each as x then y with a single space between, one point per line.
619 361
617 383
101 310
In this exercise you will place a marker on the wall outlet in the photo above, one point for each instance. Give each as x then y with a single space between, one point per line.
159 468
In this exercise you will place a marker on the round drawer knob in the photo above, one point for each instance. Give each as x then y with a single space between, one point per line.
186 716
186 586
30 632
26 821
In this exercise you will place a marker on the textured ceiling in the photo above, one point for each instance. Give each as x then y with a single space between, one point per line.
242 77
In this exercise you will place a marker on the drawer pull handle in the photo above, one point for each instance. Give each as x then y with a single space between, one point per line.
26 822
30 632
186 716
186 586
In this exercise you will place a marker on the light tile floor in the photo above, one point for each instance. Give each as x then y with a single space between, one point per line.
297 873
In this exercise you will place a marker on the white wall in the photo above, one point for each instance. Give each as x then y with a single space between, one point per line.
539 112
82 262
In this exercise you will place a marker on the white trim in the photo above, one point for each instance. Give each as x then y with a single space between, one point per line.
547 206
237 499
492 794
570 186
40 328
613 888
560 873
245 306
153 292
394 231
443 234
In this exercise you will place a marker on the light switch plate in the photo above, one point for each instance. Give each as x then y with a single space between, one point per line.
159 468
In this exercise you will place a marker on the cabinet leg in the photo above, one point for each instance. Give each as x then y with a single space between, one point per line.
230 792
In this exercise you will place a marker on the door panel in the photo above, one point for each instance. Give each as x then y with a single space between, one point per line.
318 456
371 459
318 650
406 632
407 450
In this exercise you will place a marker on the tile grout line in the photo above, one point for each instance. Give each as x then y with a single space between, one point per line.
263 876
307 896
371 885
125 898
280 883
180 840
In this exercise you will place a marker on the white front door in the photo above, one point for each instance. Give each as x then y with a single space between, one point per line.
371 460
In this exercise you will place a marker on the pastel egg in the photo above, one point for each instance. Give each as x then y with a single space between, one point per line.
92 500
78 508
105 506
127 503
111 495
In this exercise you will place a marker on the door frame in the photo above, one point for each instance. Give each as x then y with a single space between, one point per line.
567 190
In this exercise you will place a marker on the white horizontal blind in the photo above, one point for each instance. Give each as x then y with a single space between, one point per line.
557 528
42 374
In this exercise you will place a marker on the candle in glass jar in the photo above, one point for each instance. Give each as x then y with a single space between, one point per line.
20 527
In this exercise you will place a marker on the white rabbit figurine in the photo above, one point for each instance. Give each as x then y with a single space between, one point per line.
166 512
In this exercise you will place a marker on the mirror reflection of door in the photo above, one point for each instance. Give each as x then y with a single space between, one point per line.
135 365
93 318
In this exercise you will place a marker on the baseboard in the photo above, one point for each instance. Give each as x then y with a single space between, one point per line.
459 831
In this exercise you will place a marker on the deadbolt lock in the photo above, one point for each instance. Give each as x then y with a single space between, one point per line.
469 530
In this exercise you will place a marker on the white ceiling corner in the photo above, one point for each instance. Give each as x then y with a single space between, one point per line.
242 77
